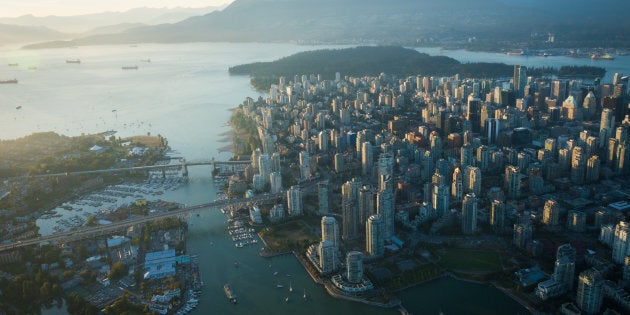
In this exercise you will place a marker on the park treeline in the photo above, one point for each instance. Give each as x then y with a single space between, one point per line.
568 71
373 60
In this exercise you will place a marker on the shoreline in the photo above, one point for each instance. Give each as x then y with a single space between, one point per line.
333 292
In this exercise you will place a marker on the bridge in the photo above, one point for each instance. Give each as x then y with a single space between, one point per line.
88 232
182 165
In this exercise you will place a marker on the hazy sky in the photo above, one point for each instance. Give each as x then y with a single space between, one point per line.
12 8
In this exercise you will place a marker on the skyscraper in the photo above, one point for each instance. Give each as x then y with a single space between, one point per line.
276 182
473 111
483 157
467 156
323 197
294 201
564 268
330 230
589 292
620 242
592 169
492 127
522 234
551 213
578 165
457 185
469 214
440 199
497 214
366 158
350 212
519 80
366 203
264 167
374 236
385 208
322 140
385 168
327 257
512 181
350 190
472 180
354 267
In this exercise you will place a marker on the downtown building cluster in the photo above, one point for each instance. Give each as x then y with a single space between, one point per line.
502 155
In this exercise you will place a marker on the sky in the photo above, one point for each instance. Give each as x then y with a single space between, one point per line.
14 8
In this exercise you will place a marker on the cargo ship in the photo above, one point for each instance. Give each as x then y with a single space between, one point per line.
14 81
229 293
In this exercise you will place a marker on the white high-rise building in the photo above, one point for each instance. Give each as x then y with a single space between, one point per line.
323 139
367 157
276 182
620 242
472 180
374 236
385 168
327 257
551 213
330 230
440 199
264 167
589 292
366 203
294 201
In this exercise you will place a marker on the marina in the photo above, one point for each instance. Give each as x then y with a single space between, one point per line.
105 202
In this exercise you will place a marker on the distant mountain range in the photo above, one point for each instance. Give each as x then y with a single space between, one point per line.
479 24
10 34
29 28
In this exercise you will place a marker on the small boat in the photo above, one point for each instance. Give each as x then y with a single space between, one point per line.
286 299
304 295
229 293
290 287
73 61
14 81
275 273
129 67
145 60
18 107
14 64
279 285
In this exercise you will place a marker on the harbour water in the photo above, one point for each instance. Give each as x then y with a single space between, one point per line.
185 94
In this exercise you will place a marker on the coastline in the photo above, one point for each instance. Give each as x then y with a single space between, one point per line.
334 292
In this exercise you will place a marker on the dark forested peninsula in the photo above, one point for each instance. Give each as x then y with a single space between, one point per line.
373 60
365 60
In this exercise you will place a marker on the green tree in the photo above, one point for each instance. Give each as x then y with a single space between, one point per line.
118 270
